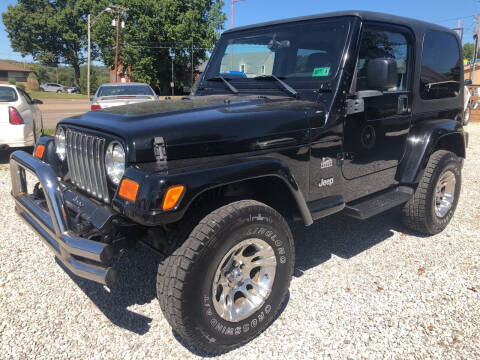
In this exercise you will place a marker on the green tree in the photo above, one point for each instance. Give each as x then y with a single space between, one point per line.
154 26
51 31
468 51
94 81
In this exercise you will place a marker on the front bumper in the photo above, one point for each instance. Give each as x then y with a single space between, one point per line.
83 257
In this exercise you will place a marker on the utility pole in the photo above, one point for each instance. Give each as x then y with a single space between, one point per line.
172 56
192 64
88 54
121 10
116 46
475 53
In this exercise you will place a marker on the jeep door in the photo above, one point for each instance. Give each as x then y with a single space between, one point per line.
373 142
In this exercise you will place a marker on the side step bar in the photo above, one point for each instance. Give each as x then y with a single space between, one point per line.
364 209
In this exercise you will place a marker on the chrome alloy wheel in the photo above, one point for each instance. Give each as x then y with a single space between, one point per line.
445 193
244 279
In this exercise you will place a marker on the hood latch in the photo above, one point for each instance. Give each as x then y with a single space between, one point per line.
160 150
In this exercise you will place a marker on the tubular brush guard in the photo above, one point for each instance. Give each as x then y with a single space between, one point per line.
83 257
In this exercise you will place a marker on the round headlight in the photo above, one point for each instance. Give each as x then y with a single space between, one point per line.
115 162
60 143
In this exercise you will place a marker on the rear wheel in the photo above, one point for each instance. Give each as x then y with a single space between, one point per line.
225 284
432 206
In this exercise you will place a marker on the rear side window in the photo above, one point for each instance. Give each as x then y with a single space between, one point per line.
441 66
7 94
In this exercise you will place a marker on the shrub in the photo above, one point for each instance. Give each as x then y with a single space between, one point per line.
32 82
12 81
32 75
21 86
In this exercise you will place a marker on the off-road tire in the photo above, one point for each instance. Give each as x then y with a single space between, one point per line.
185 278
419 212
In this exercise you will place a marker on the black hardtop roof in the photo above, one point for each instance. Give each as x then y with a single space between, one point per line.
415 25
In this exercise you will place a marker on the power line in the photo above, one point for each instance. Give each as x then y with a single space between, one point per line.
452 19
168 47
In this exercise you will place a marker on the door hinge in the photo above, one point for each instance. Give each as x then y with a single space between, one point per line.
344 156
355 106
160 150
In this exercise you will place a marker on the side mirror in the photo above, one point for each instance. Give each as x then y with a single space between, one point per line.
37 102
468 82
382 74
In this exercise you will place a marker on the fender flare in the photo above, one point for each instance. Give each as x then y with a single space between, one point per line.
198 179
422 142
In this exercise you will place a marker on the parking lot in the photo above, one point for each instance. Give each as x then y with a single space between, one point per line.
54 110
362 290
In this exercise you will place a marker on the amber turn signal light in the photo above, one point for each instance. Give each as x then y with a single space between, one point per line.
172 196
39 150
128 190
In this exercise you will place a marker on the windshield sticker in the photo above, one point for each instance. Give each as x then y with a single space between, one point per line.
321 71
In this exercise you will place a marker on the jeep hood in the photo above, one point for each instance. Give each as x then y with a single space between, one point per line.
203 125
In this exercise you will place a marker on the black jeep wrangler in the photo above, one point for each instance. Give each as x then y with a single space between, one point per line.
296 119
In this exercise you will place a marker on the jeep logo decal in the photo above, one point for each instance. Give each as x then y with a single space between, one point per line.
325 182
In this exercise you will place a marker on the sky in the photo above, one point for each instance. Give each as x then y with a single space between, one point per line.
443 12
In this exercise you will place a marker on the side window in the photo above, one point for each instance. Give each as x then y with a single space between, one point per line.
29 99
378 44
441 66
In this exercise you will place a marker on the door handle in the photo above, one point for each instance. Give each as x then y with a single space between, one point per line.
402 104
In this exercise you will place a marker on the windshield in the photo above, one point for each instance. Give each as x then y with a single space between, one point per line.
7 94
125 90
302 51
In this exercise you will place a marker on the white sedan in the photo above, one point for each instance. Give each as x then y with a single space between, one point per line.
117 94
20 118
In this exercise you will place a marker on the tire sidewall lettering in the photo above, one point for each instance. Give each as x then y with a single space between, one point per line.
250 227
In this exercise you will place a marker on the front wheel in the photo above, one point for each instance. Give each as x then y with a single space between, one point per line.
226 283
432 206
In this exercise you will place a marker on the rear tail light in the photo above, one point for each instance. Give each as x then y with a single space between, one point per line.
14 116
95 107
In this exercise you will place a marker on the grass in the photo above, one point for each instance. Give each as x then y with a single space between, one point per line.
51 95
50 132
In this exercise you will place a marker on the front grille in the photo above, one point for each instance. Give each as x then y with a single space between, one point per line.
86 163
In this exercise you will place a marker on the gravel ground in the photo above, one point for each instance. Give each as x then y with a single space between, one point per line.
362 290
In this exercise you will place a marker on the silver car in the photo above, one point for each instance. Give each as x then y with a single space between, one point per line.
52 87
117 94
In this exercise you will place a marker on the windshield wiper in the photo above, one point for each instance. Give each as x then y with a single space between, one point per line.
283 83
232 88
